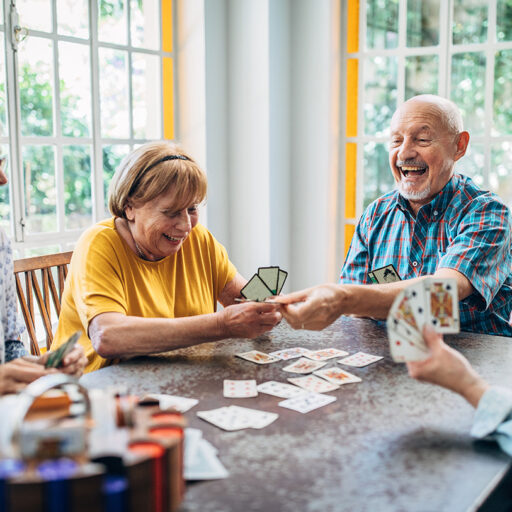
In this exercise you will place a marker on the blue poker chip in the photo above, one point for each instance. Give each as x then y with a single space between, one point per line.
59 469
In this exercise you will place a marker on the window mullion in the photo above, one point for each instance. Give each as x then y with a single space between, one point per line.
14 118
97 165
445 48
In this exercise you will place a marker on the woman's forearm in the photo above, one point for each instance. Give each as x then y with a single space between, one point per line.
116 335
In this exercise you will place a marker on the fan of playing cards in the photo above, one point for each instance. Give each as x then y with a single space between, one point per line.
267 282
433 301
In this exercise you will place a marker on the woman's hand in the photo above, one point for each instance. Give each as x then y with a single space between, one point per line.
447 368
249 320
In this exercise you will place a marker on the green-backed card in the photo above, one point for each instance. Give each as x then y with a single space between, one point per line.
55 358
383 275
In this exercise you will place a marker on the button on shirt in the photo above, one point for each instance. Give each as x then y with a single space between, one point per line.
462 228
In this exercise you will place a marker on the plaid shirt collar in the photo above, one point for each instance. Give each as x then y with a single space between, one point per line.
439 203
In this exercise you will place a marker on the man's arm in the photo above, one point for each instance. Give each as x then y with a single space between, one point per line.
319 306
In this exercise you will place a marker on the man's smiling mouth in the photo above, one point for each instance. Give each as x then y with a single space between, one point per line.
412 169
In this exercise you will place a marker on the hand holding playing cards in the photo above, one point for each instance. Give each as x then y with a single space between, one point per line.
16 374
447 368
250 319
319 307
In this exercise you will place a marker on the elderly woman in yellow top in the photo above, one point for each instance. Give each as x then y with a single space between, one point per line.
148 279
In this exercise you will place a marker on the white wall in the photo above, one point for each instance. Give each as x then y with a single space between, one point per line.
268 76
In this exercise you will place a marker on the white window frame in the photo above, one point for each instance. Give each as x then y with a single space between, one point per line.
65 238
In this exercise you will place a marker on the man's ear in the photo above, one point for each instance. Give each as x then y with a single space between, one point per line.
128 211
462 145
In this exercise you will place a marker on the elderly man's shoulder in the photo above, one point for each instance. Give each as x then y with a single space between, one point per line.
383 204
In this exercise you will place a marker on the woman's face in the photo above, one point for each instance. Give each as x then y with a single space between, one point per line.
158 229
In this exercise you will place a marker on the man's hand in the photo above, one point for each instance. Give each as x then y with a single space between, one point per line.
249 320
448 368
313 308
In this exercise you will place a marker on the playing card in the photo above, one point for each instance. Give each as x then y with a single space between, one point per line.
270 276
401 309
281 280
383 275
290 353
55 357
303 365
442 304
360 359
256 419
177 403
337 376
258 357
326 353
226 418
280 389
256 289
240 388
313 384
308 402
405 343
415 294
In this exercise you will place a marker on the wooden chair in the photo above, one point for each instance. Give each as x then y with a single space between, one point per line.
30 288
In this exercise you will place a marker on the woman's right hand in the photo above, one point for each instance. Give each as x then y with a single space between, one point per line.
250 319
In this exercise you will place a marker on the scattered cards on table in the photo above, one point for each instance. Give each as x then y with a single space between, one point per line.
360 359
337 376
279 389
237 418
290 353
433 301
303 365
258 357
313 383
269 281
240 388
325 354
308 402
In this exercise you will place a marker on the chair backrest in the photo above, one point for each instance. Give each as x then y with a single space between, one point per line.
29 287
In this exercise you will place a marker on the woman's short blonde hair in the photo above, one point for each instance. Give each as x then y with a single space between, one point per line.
140 178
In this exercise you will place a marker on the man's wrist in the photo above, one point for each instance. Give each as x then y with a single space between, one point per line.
474 390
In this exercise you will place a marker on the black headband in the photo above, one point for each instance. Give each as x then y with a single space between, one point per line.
135 183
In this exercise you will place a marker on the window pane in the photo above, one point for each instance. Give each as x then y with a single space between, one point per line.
77 186
35 14
5 203
112 156
73 18
112 21
500 177
378 178
114 93
145 21
468 88
504 20
36 86
382 23
40 192
469 21
421 75
75 89
503 92
422 23
472 164
4 129
380 94
147 104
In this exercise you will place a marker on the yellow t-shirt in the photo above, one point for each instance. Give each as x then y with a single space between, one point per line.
105 275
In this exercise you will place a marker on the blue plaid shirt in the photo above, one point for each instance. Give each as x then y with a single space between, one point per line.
463 228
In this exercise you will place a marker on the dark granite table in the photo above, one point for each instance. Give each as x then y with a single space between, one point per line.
387 444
